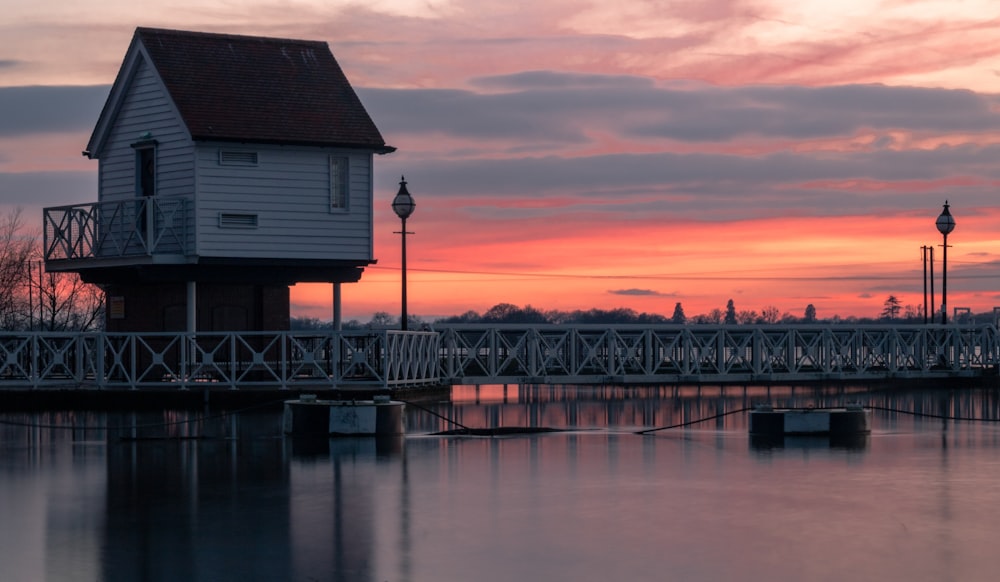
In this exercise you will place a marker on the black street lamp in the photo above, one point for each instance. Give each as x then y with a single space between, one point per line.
945 224
403 206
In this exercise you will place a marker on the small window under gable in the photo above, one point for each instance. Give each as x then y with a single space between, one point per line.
233 220
338 183
237 158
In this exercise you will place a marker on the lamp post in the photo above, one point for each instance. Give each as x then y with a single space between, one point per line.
403 206
945 224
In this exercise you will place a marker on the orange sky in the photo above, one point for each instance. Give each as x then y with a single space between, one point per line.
571 155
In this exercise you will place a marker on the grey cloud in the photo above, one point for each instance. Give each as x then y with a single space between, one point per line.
45 109
635 292
35 190
680 172
804 112
712 187
465 114
541 80
8 63
550 106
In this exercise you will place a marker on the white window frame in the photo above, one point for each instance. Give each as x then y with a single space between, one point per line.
340 184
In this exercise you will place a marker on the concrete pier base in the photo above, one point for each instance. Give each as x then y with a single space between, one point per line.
311 417
766 420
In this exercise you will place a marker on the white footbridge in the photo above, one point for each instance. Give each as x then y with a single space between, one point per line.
497 354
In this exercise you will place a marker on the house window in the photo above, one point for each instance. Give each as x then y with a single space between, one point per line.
338 183
145 169
145 183
237 158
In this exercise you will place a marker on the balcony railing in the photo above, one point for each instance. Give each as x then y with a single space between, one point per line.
131 228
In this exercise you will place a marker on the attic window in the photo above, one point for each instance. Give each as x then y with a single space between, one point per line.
231 220
237 158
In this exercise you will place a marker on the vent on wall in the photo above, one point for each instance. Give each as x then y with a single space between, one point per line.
237 158
230 220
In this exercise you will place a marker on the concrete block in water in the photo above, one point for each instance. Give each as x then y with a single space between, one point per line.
766 420
309 416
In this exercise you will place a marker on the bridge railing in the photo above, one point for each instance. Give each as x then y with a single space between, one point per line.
285 360
477 354
670 353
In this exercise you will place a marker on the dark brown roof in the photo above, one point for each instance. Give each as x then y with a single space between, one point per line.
257 89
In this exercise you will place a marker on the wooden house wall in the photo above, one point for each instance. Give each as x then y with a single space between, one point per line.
288 191
146 108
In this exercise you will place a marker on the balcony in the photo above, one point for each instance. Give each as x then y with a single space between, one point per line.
152 228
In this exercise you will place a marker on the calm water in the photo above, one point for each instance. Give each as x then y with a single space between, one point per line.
919 499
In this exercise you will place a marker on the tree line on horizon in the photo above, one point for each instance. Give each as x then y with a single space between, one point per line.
893 311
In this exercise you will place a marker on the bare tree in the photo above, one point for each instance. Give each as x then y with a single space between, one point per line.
16 252
770 314
501 313
33 299
65 302
891 308
382 319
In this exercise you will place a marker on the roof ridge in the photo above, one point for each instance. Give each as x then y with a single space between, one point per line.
224 35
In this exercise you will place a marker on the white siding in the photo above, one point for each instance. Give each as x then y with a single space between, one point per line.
289 191
147 108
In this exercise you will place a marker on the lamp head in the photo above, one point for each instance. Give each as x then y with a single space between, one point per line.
945 222
403 203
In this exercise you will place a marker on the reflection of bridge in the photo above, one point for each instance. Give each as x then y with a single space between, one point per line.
482 354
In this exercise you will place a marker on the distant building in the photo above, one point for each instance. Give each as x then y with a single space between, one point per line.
230 167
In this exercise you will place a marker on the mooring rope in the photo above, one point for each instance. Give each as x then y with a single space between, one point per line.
494 431
690 422
429 411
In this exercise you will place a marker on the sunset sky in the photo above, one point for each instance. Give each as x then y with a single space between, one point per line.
574 154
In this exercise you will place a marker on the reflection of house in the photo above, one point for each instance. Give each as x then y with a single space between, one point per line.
230 167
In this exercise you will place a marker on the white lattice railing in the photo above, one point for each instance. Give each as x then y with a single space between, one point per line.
680 353
475 354
142 226
377 359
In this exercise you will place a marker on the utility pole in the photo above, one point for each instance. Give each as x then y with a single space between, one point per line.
923 256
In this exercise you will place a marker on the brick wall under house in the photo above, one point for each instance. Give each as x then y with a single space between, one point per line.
220 307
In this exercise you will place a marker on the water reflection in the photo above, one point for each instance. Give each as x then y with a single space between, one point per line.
639 408
182 495
184 509
851 442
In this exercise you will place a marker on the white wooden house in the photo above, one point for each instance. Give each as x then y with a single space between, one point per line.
230 167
